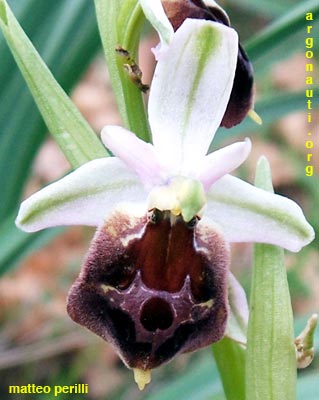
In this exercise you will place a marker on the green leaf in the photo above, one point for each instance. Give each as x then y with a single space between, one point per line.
67 47
3 13
281 29
265 7
120 23
75 137
230 360
270 359
15 245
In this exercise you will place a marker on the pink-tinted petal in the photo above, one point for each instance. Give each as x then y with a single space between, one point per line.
248 214
84 197
190 91
221 162
138 155
239 312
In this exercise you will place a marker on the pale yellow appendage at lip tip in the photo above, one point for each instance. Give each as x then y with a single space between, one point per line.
255 117
142 377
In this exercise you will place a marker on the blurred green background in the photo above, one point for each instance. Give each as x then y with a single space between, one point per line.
38 342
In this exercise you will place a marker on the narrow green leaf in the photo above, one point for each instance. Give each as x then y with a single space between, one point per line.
68 48
268 8
230 360
15 245
3 13
75 137
120 23
271 358
281 29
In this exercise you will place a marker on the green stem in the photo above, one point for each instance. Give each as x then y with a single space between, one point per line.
120 23
230 360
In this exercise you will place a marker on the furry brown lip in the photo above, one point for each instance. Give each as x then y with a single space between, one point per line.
153 288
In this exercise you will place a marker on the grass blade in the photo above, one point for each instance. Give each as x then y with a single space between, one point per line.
70 129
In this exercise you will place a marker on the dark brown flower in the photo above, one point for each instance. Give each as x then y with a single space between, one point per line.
241 98
153 287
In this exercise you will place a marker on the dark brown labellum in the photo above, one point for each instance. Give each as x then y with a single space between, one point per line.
241 98
153 287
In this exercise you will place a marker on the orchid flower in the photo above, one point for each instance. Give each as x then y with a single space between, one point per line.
154 283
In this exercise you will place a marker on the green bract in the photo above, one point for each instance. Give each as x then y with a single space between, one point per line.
271 359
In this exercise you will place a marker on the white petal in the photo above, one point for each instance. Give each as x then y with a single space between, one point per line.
248 214
154 12
84 197
238 317
190 91
138 155
221 162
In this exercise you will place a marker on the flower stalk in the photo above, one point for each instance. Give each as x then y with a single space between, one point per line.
120 23
230 359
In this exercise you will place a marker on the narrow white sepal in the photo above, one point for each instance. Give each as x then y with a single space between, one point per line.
221 162
190 91
84 197
154 12
138 155
238 318
249 214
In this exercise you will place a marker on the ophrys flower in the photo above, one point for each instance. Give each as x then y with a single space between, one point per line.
155 280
